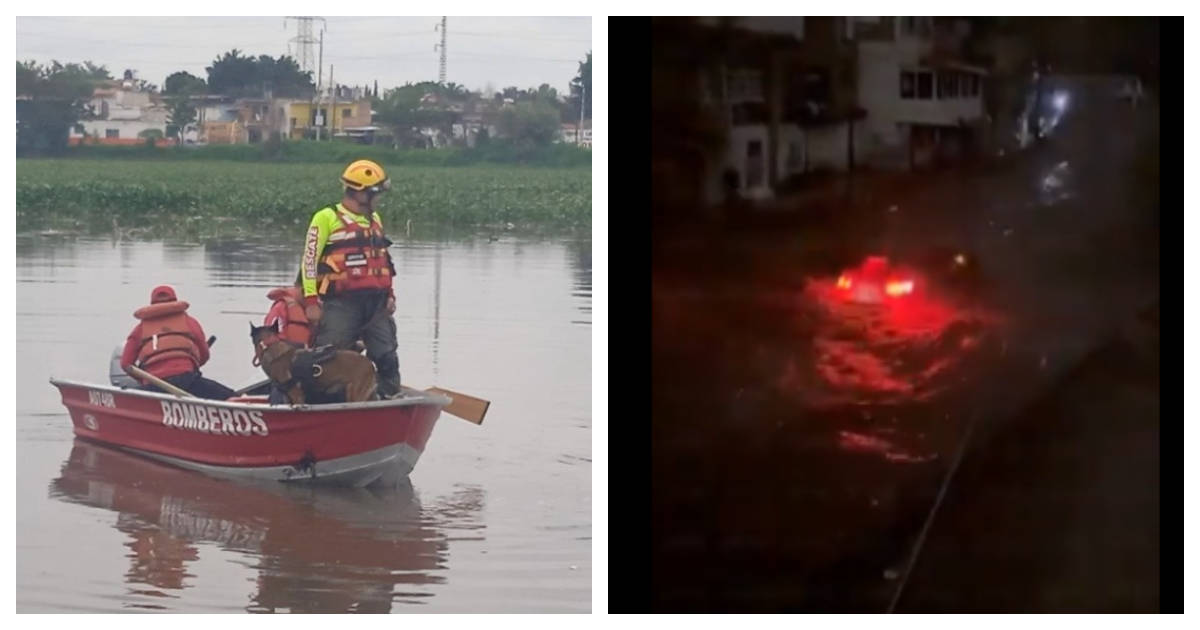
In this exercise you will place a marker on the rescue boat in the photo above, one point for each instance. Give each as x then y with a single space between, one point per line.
354 444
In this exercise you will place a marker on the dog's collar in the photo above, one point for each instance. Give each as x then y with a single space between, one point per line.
265 358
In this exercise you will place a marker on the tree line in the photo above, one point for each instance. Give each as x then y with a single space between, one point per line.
52 98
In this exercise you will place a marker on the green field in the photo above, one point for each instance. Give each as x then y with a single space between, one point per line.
210 198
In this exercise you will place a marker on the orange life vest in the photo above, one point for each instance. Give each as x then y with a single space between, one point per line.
166 334
355 258
297 329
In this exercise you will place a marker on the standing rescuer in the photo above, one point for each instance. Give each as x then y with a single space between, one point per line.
347 274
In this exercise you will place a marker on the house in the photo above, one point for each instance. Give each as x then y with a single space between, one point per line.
570 133
753 105
255 117
118 115
783 90
474 122
215 114
924 102
226 120
224 132
297 119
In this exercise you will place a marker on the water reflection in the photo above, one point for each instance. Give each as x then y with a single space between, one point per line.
315 550
437 304
579 257
901 352
245 262
44 256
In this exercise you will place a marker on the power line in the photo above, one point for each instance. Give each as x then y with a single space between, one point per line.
494 56
391 56
389 36
521 36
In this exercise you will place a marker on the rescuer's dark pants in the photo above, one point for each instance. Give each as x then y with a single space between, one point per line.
348 317
196 385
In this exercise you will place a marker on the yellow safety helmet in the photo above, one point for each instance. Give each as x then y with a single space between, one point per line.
366 175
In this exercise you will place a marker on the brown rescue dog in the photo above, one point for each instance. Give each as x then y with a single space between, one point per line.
336 372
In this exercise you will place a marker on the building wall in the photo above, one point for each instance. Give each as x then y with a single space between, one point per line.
880 65
789 155
816 148
224 133
874 28
158 142
827 147
752 173
217 113
126 129
360 114
302 112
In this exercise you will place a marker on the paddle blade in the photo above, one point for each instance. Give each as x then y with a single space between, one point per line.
468 408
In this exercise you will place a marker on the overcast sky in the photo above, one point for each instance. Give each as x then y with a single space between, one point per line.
500 51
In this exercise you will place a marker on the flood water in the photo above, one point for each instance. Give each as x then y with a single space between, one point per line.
495 518
800 437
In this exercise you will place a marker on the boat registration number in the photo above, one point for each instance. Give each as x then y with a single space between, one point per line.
103 399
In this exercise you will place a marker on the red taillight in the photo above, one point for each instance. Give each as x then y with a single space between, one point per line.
843 282
898 288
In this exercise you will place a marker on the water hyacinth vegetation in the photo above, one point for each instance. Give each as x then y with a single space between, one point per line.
201 198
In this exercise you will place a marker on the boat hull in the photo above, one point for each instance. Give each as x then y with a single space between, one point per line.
345 444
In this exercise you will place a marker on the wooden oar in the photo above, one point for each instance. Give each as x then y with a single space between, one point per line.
138 372
468 408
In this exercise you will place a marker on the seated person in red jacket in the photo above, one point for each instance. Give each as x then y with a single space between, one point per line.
170 344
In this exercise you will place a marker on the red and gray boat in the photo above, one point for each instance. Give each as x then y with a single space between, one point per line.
353 444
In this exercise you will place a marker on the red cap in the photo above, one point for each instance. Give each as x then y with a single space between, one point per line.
162 293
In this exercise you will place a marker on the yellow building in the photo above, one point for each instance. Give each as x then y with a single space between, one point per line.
301 116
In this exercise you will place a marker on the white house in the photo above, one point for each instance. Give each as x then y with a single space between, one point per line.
120 114
814 119
920 102
569 133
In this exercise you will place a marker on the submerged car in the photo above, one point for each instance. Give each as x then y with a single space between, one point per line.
875 282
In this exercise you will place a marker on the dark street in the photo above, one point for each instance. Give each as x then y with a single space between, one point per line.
801 441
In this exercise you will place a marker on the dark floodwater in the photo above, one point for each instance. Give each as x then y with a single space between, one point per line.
496 517
800 442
